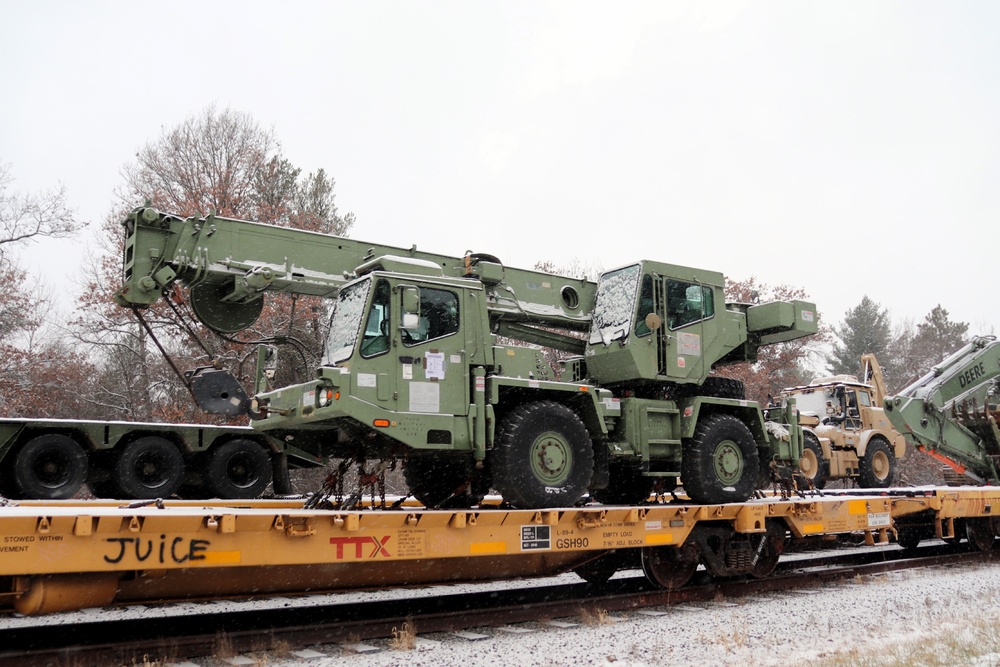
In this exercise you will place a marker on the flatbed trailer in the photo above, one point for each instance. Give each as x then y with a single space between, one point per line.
51 459
62 555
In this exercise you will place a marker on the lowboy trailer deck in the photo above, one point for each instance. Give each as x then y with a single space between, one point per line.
62 555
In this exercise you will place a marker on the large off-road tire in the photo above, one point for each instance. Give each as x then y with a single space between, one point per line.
626 485
543 456
239 468
814 468
445 480
878 466
719 463
723 387
49 467
149 467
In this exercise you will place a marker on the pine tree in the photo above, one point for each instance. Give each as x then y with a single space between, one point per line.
867 328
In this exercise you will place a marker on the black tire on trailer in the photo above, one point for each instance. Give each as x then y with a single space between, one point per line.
445 481
543 456
723 387
720 464
813 467
149 467
240 468
877 467
50 466
626 485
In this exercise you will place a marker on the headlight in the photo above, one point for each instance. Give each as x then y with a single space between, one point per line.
326 396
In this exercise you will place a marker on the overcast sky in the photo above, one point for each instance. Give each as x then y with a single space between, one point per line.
847 148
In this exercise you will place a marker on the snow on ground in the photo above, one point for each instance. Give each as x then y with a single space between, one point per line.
865 621
854 623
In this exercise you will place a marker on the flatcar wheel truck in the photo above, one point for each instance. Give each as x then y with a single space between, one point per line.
413 368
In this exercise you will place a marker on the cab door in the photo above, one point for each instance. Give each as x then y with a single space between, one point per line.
433 364
692 329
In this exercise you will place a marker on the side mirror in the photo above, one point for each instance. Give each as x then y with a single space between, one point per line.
411 308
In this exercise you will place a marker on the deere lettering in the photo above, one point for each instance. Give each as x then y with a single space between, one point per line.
378 548
971 375
178 550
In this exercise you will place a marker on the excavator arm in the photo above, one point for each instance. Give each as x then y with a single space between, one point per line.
872 374
951 412
229 264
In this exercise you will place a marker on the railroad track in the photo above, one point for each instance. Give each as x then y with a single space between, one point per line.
131 640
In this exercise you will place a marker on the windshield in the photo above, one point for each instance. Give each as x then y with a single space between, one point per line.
345 323
615 305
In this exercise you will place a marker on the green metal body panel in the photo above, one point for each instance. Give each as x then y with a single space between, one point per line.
952 411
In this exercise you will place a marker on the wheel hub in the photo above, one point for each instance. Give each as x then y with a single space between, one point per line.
728 462
880 465
808 464
52 471
551 459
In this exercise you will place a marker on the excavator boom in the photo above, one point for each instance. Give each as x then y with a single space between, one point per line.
951 412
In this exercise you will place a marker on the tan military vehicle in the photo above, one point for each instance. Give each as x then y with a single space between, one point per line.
846 432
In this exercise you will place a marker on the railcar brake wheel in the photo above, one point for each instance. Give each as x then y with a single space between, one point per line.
720 463
669 567
51 466
543 457
239 468
149 467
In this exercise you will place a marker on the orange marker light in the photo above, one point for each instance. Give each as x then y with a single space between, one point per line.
381 423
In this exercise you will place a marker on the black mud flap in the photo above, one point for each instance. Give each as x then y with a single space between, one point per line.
218 392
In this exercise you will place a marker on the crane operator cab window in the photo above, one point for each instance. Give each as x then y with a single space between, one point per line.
438 317
646 306
688 303
377 326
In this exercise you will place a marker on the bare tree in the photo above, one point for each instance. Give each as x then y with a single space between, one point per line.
38 375
26 216
220 161
783 364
